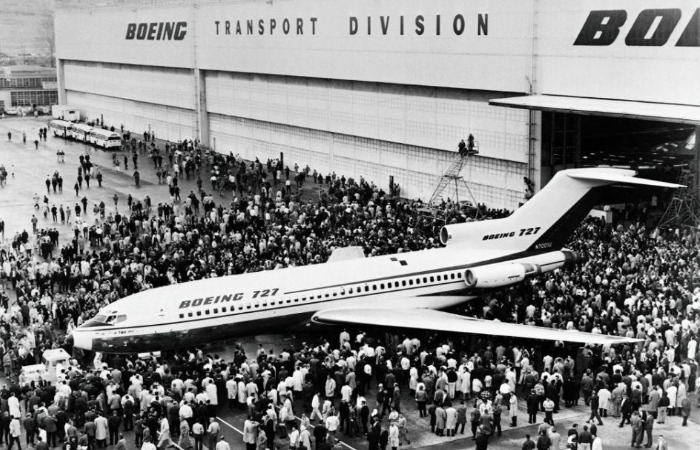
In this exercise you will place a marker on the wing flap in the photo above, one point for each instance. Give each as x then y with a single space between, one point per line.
428 319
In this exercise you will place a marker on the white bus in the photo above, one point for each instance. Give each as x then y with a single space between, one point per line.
105 138
59 127
79 132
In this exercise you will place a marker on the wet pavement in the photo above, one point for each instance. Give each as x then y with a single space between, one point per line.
27 170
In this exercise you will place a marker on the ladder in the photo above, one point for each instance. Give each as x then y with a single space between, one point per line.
684 204
452 180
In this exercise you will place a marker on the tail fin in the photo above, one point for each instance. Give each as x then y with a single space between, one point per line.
547 220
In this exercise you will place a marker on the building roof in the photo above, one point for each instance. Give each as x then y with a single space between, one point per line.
27 70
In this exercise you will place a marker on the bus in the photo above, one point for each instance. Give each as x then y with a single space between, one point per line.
105 139
59 127
79 132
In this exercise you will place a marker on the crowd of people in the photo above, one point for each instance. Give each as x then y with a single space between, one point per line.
251 216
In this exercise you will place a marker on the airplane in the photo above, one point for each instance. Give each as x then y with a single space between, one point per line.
406 290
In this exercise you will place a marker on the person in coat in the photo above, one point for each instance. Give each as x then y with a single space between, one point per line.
653 403
685 410
649 428
101 430
440 420
164 435
185 441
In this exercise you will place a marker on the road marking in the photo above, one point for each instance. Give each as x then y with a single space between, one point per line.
229 425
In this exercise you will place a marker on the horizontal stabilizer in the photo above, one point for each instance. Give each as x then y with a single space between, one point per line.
619 176
428 319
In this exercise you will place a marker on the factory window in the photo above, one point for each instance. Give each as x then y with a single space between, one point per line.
29 98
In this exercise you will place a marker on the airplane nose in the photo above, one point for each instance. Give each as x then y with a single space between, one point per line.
79 340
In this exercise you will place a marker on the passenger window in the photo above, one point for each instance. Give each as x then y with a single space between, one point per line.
403 283
417 280
182 316
381 286
272 303
425 280
223 310
452 276
374 287
350 291
366 288
459 274
410 282
303 299
189 314
216 310
206 312
289 300
296 300
199 313
335 294
432 279
439 278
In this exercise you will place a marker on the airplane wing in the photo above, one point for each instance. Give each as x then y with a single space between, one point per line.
429 319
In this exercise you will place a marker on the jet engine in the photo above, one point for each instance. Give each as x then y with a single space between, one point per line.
507 274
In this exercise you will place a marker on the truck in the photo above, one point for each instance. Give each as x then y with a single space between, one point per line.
53 361
64 112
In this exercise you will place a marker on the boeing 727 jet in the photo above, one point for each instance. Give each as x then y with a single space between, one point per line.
405 290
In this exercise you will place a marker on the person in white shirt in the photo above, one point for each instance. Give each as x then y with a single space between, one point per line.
148 445
222 444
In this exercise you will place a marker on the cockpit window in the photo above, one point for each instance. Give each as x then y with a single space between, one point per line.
102 320
115 319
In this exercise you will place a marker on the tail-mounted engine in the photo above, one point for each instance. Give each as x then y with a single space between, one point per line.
510 273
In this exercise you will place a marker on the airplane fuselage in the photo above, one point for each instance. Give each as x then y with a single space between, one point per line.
215 309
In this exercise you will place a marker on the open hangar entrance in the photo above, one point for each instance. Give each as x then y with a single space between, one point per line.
657 140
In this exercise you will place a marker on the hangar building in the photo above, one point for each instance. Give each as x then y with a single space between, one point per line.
383 88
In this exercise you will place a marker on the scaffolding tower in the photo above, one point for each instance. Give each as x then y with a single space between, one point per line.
452 183
684 205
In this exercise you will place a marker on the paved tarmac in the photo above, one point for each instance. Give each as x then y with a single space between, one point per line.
30 167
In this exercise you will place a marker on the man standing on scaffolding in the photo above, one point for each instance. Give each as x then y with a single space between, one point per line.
462 148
